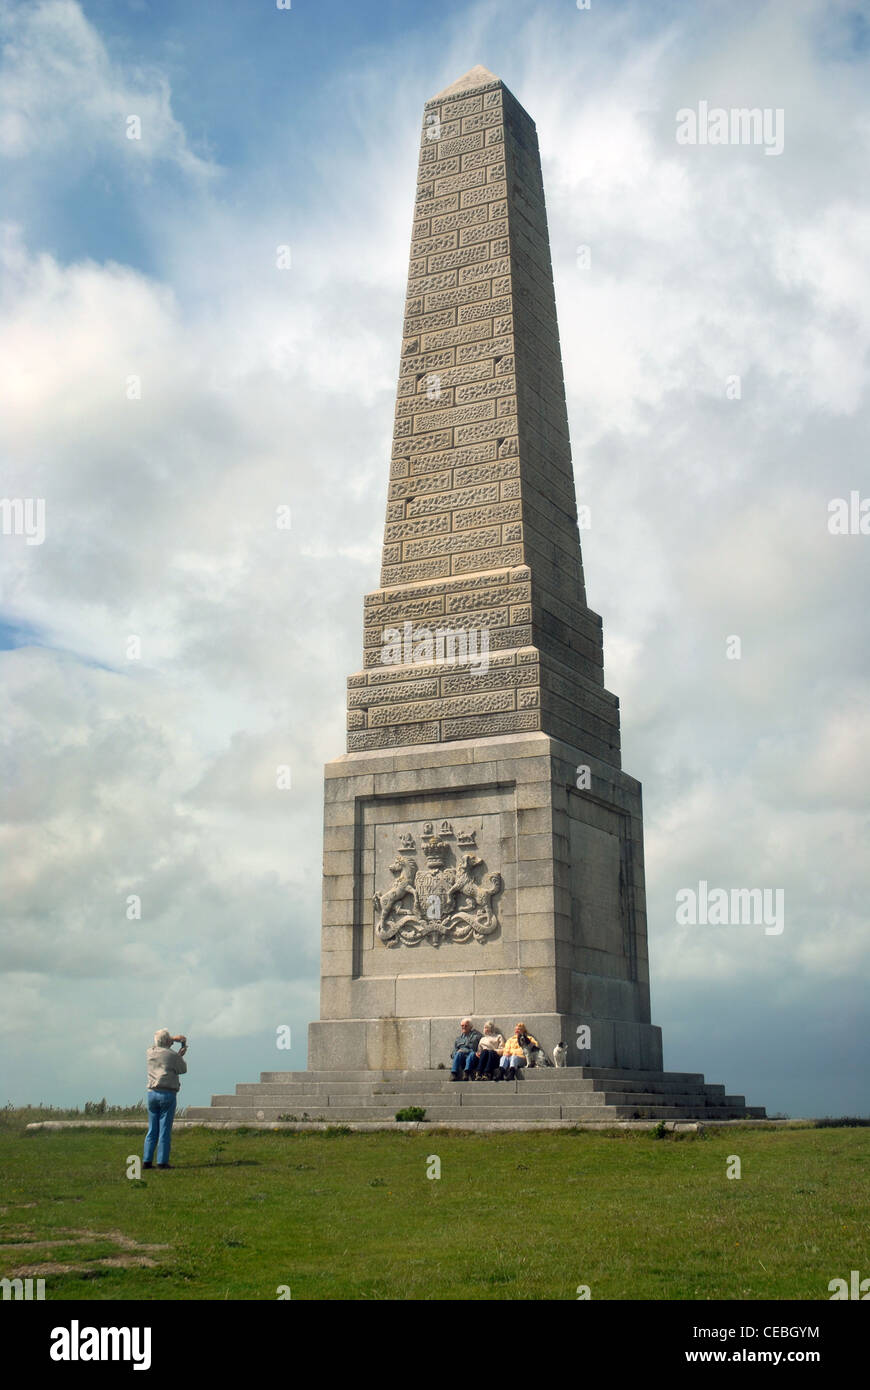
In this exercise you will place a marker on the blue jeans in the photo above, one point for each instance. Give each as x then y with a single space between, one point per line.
512 1064
464 1062
161 1113
488 1064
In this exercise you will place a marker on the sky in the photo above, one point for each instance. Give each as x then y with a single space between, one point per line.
166 387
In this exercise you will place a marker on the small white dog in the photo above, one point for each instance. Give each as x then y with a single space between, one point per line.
560 1054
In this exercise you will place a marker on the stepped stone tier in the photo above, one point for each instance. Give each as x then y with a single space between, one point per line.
483 849
481 526
575 1095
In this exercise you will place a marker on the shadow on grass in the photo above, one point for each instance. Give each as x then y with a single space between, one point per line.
207 1165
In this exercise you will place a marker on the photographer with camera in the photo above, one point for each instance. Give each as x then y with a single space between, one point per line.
164 1069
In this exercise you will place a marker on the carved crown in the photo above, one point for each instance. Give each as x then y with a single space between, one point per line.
432 845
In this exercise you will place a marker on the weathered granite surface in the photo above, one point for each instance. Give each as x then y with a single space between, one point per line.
481 528
567 946
483 850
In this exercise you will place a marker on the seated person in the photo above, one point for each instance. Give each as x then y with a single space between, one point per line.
532 1050
514 1055
489 1052
464 1062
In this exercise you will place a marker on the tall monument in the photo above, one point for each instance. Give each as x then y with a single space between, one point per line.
483 849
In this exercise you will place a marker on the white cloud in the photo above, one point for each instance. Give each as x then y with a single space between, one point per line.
64 96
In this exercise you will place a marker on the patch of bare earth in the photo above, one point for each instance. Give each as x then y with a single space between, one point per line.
109 1262
137 1253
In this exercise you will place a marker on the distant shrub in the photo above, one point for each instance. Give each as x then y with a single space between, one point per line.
411 1112
842 1121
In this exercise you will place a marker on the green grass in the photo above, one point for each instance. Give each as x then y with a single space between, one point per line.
353 1216
19 1117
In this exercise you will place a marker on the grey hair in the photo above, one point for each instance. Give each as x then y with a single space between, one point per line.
487 1026
464 1020
162 1038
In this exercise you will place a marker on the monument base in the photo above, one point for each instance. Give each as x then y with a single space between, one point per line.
421 1044
555 838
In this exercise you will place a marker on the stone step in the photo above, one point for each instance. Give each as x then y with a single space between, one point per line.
423 1074
547 1093
694 1078
348 1087
551 1080
388 1089
394 1095
256 1098
441 1114
635 1085
675 1098
362 1075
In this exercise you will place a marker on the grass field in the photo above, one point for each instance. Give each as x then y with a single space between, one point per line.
354 1216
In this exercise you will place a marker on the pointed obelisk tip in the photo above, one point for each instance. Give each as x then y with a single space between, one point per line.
478 76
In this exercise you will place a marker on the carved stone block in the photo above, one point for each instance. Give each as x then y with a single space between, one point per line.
483 516
502 385
453 221
486 429
455 110
484 229
453 501
448 545
452 259
458 415
455 183
463 145
462 295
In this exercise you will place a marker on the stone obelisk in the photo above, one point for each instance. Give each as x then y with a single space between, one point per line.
483 849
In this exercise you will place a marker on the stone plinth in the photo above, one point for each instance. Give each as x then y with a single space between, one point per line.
568 945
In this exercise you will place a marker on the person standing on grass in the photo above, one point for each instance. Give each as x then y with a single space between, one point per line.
164 1069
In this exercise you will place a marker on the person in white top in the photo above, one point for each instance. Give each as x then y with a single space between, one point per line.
489 1050
164 1069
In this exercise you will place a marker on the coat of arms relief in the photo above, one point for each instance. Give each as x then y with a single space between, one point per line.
443 901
